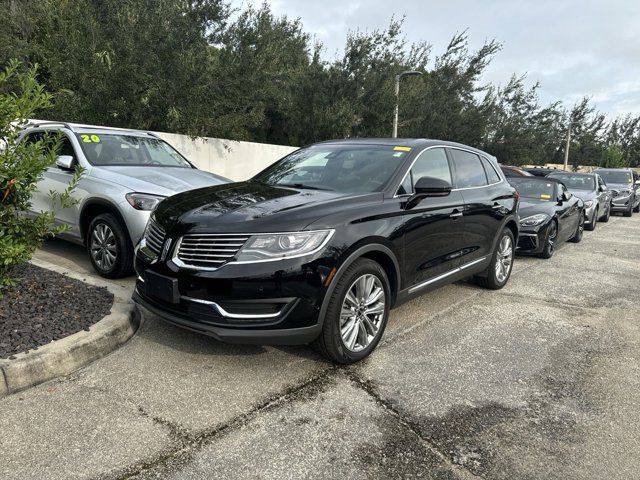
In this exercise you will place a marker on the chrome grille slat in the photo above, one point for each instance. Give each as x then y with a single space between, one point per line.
209 250
154 236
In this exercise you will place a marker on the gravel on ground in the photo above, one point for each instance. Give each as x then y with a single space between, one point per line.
44 306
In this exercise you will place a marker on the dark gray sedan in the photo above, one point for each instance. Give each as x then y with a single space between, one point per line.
592 190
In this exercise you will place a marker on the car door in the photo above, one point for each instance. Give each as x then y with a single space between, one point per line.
433 228
482 217
568 212
56 179
604 196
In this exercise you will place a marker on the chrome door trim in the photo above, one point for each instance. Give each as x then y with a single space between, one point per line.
447 274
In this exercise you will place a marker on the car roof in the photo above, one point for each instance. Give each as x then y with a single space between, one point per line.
560 172
536 179
84 128
406 142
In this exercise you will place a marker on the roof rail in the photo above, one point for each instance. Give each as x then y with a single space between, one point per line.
47 124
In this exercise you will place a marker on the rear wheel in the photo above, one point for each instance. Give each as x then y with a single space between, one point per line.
499 270
357 313
109 247
550 242
577 237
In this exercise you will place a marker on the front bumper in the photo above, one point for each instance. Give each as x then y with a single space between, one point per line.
531 241
621 204
261 303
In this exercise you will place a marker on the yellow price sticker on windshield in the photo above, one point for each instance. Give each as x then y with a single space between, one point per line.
90 138
402 149
545 196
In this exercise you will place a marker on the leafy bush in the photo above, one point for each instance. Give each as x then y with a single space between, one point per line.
21 167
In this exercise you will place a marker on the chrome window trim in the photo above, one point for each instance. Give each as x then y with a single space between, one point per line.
500 175
419 286
181 264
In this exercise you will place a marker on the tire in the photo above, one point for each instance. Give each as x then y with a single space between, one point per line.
331 343
550 241
607 215
629 212
499 270
109 247
636 209
577 237
592 225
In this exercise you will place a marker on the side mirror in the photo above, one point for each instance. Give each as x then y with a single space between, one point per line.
428 187
65 162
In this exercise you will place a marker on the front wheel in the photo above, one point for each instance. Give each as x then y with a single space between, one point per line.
592 225
357 313
550 242
499 270
109 247
577 237
607 215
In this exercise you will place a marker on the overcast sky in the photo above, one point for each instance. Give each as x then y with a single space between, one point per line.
572 47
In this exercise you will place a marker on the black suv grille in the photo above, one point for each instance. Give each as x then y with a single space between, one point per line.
154 236
209 250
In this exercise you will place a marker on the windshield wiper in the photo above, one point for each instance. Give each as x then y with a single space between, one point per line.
303 185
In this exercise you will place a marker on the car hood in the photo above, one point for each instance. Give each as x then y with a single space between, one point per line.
584 195
164 181
252 207
530 206
620 186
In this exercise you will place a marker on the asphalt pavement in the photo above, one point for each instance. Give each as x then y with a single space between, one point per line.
538 380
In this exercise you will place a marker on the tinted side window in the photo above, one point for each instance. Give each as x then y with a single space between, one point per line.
469 170
431 163
492 175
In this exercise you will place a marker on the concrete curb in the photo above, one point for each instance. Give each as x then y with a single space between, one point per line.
71 353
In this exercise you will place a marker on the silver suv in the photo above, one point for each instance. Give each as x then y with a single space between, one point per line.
624 184
126 174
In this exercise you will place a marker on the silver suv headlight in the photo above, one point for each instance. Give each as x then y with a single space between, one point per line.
143 201
534 220
588 204
275 246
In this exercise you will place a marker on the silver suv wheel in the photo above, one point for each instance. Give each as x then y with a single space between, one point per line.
104 249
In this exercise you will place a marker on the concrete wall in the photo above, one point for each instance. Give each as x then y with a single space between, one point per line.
229 158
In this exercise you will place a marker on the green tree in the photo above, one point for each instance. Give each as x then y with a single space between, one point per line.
21 166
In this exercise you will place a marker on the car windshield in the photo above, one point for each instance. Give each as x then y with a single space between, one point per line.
615 176
343 168
576 182
531 188
129 150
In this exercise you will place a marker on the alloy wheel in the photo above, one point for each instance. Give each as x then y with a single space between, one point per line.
104 249
551 238
504 259
362 312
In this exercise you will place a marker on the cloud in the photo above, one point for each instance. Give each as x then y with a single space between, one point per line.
574 48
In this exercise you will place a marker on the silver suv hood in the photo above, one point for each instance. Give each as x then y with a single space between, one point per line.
158 180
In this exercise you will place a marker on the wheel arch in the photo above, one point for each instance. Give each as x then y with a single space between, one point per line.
377 252
97 206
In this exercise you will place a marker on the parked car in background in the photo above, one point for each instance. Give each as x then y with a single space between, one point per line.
511 171
321 245
592 190
126 174
623 183
541 171
549 214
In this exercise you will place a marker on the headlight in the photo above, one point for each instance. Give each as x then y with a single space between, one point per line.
143 201
588 204
274 246
534 220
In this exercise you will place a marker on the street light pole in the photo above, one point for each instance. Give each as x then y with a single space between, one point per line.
397 94
566 148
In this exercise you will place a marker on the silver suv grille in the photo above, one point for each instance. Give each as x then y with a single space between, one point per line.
209 250
154 236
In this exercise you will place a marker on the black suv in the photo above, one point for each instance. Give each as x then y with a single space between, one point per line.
320 245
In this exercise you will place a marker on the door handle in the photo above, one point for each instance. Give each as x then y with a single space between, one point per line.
455 214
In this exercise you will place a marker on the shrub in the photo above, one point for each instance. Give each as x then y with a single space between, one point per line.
21 167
